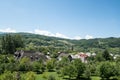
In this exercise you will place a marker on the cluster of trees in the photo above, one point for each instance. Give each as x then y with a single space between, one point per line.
78 70
7 75
11 68
9 43
98 43
75 69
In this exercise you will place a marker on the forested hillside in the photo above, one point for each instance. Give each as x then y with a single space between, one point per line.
91 45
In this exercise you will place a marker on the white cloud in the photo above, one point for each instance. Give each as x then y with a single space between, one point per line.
77 38
47 33
88 37
8 30
60 35
43 32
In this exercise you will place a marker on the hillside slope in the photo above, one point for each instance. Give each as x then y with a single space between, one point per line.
79 45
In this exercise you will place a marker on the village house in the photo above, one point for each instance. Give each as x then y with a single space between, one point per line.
34 56
62 54
81 55
93 54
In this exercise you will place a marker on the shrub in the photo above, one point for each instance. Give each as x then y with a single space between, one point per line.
51 77
7 75
45 76
108 70
30 76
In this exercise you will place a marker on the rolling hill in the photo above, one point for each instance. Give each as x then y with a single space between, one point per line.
77 45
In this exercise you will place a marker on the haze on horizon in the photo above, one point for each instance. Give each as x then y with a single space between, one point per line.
62 18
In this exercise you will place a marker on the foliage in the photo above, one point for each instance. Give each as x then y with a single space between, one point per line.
106 55
108 70
7 75
51 77
38 67
68 70
117 59
99 57
30 76
24 64
63 62
50 64
117 67
7 63
10 43
75 68
87 72
45 75
79 66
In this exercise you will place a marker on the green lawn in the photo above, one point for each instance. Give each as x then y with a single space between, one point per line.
95 78
46 74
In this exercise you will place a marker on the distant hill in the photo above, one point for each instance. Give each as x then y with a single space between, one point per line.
83 44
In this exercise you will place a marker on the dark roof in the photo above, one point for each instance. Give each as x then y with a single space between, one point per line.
31 54
63 55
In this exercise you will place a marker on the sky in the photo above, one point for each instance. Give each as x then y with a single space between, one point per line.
73 19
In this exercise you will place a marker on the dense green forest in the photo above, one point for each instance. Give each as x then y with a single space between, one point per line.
35 41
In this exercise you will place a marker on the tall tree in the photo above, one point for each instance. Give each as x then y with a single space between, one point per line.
18 41
7 44
79 66
106 55
69 71
3 44
10 43
50 64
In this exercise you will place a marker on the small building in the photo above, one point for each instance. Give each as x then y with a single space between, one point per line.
81 56
93 54
61 55
34 56
88 54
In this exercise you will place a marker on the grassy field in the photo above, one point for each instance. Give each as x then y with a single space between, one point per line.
95 78
45 75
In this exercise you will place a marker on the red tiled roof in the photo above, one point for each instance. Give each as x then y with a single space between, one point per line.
83 55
